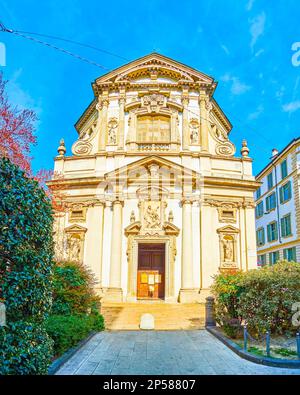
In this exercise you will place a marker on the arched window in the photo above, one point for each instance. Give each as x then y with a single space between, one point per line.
153 129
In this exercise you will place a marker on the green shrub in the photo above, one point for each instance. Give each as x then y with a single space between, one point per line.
26 251
226 289
263 298
26 348
73 289
68 330
268 295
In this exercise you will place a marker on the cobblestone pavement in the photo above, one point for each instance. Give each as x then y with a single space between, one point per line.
158 353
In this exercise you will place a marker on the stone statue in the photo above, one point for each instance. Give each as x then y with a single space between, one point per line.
228 250
132 217
112 131
74 249
194 128
152 217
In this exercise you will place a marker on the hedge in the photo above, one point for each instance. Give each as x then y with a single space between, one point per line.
262 298
26 251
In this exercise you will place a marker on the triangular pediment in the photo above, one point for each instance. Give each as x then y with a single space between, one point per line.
228 229
155 67
75 228
153 166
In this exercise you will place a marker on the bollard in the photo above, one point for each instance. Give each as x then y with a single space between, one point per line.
268 342
210 311
245 338
298 344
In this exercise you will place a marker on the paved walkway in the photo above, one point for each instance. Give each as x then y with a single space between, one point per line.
160 352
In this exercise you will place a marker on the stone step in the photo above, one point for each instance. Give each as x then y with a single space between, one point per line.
167 316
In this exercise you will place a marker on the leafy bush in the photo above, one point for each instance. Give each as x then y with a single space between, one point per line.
75 306
25 270
268 295
26 348
73 289
226 288
263 298
67 331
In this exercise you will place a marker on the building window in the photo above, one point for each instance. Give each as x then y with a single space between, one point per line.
286 227
290 254
273 257
153 129
258 193
271 202
285 192
259 209
261 260
284 171
272 232
270 180
260 237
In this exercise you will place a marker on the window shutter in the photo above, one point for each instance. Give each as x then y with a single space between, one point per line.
269 232
281 194
275 231
289 190
283 232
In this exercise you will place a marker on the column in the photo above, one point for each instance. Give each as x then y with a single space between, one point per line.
188 293
94 241
121 122
185 122
203 122
103 104
114 293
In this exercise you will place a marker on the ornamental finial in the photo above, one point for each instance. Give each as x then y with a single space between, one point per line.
62 148
245 150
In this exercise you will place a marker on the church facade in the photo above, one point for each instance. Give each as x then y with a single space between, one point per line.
156 202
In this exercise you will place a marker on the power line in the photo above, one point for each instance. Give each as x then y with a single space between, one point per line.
79 57
74 42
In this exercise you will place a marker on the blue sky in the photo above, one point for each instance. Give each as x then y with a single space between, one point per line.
244 45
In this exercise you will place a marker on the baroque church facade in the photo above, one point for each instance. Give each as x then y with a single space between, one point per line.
156 201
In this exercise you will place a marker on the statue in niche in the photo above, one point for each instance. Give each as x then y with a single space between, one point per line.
194 128
74 246
151 217
228 250
112 131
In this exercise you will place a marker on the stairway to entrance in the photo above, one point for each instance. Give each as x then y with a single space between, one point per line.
127 316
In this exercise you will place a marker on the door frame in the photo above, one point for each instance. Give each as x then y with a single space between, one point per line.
132 253
164 268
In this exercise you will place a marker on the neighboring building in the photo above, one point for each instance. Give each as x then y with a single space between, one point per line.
277 209
157 203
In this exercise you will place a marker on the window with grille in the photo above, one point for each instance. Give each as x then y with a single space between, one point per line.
272 232
273 257
285 192
286 227
260 236
290 254
271 202
153 129
284 170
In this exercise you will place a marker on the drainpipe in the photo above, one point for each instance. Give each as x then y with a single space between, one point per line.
274 154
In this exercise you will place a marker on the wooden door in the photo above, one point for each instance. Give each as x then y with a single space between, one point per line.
151 271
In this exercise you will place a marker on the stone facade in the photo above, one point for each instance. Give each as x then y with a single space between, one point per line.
153 164
278 207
